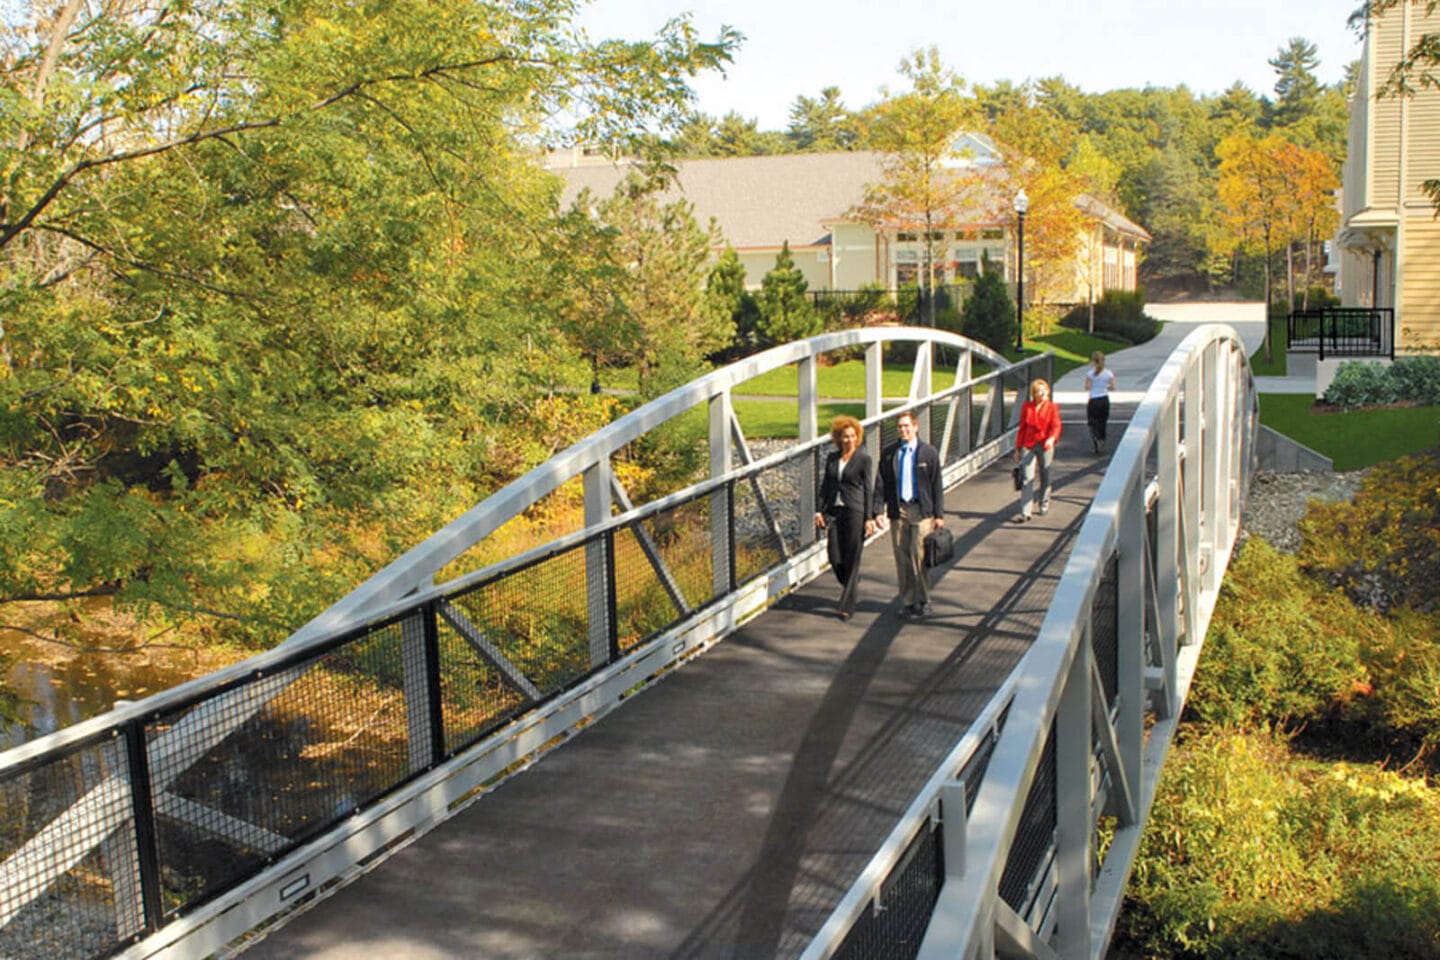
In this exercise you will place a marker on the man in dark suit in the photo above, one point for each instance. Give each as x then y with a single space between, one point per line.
915 503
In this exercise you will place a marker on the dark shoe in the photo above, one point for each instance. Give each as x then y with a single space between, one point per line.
1019 518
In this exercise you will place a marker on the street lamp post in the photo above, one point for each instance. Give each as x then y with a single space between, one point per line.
1022 203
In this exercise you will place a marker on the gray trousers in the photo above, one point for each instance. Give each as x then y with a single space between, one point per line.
1034 460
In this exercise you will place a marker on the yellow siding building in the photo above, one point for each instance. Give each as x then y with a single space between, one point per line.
1389 235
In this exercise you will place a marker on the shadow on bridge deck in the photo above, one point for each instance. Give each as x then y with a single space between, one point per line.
726 810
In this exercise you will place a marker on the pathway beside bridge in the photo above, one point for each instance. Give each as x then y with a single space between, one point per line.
724 811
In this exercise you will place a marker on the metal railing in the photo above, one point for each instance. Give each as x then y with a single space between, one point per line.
1023 840
1342 332
172 826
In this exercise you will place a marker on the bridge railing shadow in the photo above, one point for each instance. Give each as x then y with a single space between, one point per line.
199 813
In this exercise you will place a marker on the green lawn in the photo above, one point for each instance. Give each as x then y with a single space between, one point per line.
1355 439
776 418
1072 349
1276 366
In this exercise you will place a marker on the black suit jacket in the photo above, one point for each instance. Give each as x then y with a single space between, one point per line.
856 485
929 485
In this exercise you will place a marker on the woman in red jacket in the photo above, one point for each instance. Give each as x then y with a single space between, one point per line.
1035 446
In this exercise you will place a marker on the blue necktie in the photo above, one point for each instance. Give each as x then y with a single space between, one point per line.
907 478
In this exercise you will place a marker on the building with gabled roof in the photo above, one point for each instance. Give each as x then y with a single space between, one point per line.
808 201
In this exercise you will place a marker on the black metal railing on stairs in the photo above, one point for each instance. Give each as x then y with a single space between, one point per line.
1335 332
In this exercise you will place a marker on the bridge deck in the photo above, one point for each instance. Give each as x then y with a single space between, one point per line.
725 811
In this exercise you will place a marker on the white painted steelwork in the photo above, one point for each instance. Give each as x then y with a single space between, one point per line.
221 703
1167 513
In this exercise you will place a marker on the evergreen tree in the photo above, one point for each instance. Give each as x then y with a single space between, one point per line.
820 125
989 314
726 286
1296 88
786 313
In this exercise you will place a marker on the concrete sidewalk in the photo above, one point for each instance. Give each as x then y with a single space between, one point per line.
1135 367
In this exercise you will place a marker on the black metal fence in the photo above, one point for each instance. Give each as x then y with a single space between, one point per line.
1342 332
105 839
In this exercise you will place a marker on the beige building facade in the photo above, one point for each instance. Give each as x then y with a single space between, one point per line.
1389 236
761 203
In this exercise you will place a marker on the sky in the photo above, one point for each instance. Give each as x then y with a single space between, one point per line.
795 47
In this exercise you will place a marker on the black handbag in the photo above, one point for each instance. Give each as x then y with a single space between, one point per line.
1017 477
939 547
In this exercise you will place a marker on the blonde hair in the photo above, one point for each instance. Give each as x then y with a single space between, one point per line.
844 422
1098 358
1036 384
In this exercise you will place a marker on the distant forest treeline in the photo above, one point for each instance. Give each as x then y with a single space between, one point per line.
1151 152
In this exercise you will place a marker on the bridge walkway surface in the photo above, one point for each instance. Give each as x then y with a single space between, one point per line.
724 811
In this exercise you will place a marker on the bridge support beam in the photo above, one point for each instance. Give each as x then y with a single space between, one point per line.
1074 749
597 481
722 411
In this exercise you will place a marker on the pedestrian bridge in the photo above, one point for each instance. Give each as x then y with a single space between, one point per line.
653 738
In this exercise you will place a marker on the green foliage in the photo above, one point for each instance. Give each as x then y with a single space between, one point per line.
726 286
785 311
989 314
1254 852
1118 314
1359 383
1382 549
279 289
1263 665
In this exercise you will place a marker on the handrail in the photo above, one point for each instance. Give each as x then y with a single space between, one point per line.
134 756
1197 422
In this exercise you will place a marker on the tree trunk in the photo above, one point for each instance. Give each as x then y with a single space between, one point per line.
1289 276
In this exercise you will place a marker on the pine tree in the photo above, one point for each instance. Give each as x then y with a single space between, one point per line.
785 313
989 315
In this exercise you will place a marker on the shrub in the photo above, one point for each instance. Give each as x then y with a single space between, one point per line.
1282 650
989 315
1119 314
1417 378
1382 548
1360 383
1254 852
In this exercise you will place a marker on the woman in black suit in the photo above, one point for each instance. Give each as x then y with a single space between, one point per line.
846 506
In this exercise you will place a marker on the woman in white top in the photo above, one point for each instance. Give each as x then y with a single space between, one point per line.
1098 384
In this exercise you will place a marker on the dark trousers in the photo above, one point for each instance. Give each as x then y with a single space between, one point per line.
843 543
1097 414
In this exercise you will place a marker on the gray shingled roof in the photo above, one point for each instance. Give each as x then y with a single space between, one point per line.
757 201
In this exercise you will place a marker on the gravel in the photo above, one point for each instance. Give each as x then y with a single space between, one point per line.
1277 501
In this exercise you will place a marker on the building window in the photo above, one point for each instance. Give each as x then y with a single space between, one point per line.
905 237
992 233
967 267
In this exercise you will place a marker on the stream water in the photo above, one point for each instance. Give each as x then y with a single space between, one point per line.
57 692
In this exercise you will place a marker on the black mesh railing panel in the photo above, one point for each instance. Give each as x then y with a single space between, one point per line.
681 540
329 737
1034 837
538 617
757 541
939 416
908 899
1104 629
476 695
780 484
63 909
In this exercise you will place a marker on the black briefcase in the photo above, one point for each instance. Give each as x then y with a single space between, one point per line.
939 547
